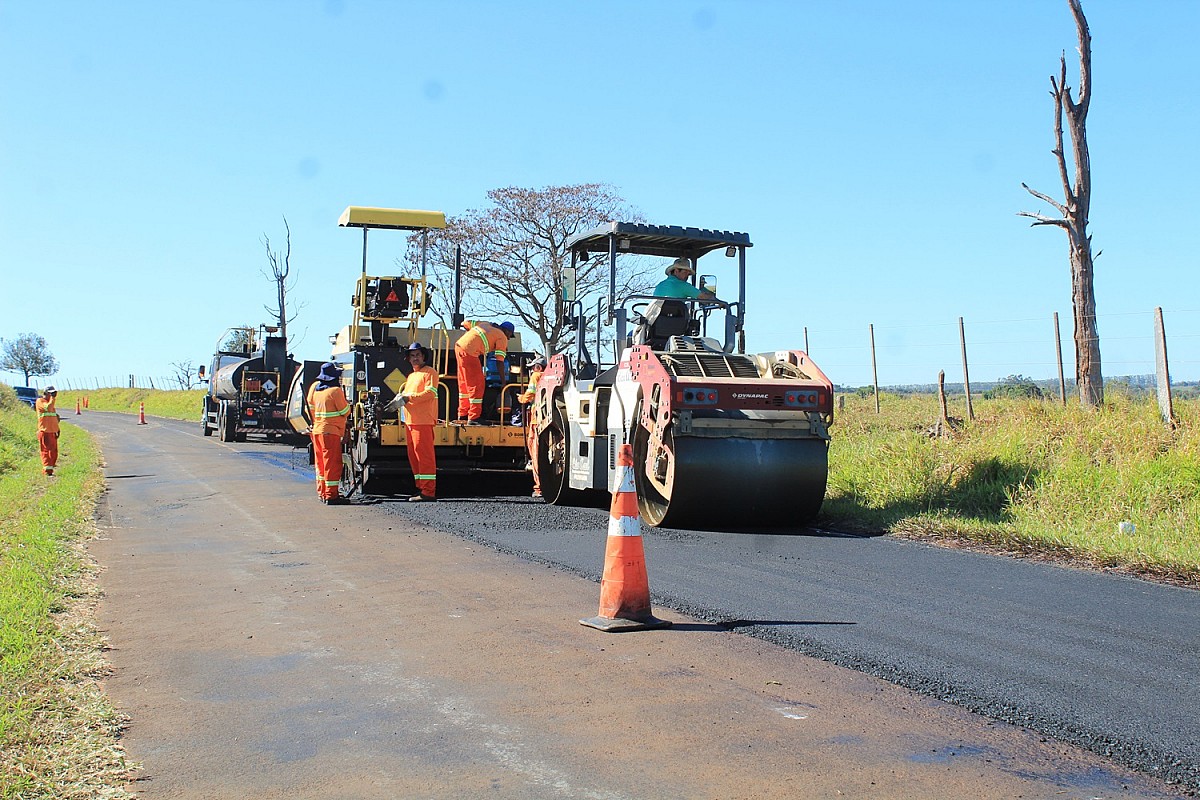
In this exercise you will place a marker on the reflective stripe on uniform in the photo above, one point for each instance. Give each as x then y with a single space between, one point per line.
341 413
475 402
425 477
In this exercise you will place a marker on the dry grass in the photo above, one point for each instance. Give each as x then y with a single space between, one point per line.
1027 477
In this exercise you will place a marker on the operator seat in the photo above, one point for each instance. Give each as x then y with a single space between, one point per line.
664 319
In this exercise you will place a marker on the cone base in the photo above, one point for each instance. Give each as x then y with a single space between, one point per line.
619 625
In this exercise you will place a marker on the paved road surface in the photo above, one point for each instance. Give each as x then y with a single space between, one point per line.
267 646
1103 661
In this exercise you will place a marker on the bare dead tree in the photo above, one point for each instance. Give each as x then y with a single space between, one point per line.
184 374
1075 208
280 264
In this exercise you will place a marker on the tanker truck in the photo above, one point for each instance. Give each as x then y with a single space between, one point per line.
247 383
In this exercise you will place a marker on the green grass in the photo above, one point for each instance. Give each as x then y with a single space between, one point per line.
1026 476
159 402
58 733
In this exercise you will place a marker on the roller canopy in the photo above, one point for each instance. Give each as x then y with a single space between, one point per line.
656 240
394 218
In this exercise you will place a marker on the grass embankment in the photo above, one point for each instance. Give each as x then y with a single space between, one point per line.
1028 477
58 733
159 403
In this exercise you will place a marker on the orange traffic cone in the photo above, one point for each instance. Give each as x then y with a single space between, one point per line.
85 401
141 413
625 589
77 411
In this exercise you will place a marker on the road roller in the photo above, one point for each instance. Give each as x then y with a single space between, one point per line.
373 351
721 437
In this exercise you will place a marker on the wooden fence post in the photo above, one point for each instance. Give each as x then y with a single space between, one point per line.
945 420
1062 384
1162 373
874 369
962 338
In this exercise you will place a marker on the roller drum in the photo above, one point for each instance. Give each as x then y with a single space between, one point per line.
735 482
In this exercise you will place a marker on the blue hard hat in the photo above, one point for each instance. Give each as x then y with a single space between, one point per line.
508 328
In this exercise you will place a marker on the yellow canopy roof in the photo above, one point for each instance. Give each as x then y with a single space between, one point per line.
396 218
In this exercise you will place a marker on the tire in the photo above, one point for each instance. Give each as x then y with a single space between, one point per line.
226 425
204 427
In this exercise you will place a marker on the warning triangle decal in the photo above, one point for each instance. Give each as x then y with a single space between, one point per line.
391 298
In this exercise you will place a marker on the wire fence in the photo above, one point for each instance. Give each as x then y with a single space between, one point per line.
169 383
989 351
974 352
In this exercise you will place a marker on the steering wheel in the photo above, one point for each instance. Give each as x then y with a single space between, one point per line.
638 316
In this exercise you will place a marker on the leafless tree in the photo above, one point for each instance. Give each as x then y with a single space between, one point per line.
184 375
514 252
1074 210
280 264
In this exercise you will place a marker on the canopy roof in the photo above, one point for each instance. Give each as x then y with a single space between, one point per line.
394 218
656 240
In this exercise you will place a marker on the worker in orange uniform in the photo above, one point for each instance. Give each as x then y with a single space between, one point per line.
420 414
536 369
482 339
328 409
47 428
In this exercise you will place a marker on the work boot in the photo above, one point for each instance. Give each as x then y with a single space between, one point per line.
476 422
422 498
49 471
337 501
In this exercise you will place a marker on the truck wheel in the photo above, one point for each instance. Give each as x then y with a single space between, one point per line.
207 431
225 424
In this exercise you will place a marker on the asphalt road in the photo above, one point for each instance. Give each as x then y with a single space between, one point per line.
231 594
1103 661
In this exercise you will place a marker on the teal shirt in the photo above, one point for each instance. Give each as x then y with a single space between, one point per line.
673 287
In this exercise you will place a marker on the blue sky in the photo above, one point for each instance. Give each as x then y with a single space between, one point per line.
874 151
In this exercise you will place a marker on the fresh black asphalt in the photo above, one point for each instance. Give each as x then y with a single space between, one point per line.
1105 662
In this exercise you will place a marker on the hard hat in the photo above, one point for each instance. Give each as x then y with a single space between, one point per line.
681 263
507 327
50 390
540 361
417 347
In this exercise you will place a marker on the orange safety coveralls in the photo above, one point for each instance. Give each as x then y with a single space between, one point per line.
420 415
531 428
481 338
328 409
47 432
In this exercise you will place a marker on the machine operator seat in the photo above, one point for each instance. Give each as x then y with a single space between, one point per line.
664 319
